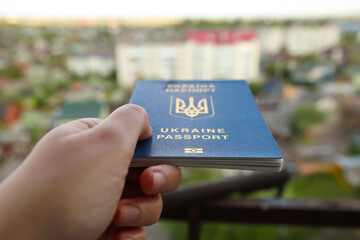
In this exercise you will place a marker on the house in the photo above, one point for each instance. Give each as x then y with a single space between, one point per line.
100 63
14 142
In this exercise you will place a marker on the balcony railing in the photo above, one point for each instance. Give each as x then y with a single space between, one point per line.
210 202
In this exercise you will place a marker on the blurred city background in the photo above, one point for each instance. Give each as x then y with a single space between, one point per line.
304 72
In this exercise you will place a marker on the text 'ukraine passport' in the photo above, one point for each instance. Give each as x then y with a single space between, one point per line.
213 124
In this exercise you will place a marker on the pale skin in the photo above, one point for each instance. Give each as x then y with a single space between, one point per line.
77 184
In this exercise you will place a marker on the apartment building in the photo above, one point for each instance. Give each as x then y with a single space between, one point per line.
299 40
188 55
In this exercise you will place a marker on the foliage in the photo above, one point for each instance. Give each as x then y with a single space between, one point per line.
215 231
10 94
279 70
308 59
256 87
43 89
306 84
35 123
354 150
304 117
207 24
176 229
320 185
349 42
12 71
196 175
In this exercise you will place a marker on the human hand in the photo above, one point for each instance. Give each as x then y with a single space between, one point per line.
76 183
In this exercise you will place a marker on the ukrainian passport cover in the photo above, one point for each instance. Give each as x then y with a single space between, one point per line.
214 124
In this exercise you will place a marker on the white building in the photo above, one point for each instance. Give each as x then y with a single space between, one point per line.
93 63
195 55
299 40
272 39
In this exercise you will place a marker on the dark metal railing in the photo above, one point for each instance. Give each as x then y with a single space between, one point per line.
208 202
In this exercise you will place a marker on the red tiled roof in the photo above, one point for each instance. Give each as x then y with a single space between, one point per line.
221 36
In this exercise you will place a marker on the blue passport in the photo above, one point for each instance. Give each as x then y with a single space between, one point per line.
213 124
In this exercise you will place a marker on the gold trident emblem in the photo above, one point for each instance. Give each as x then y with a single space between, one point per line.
192 110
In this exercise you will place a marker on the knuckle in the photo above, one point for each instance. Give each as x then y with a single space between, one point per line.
108 132
89 122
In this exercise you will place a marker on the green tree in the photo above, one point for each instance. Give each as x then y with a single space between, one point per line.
304 117
35 123
256 87
12 71
354 150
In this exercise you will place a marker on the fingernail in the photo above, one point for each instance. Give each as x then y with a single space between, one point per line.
159 181
128 214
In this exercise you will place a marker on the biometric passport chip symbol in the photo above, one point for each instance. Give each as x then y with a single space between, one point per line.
193 110
193 150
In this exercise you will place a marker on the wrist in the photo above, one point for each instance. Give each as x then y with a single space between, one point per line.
23 212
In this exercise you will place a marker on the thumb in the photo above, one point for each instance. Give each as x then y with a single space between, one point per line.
114 138
124 127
